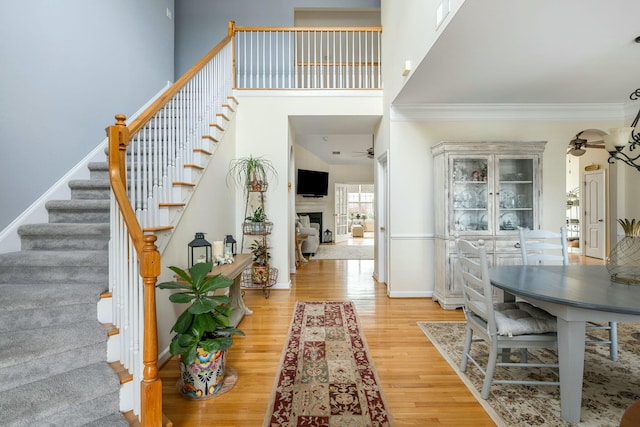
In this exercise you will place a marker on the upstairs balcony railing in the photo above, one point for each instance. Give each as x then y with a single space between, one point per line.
307 58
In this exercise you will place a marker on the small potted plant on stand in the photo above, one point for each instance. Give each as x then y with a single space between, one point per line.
203 334
256 221
251 173
261 256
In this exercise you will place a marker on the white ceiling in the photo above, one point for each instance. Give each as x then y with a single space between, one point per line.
509 52
350 136
532 51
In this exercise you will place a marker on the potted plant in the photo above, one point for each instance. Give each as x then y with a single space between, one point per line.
261 256
256 221
251 172
203 331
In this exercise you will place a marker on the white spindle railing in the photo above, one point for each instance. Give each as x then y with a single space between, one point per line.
156 156
308 58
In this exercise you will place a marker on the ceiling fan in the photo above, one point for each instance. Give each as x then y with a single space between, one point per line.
588 138
368 153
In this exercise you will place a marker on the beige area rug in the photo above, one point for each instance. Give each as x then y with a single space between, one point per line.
326 376
608 389
344 252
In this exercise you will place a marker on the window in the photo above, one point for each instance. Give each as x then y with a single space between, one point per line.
360 200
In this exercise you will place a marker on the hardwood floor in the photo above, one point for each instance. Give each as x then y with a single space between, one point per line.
420 387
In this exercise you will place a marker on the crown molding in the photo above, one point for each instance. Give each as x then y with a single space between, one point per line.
509 112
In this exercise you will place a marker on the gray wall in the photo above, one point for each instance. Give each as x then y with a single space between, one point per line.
67 68
201 24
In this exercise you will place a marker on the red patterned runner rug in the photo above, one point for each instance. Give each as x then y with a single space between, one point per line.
326 376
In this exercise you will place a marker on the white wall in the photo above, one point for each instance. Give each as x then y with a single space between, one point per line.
411 193
211 211
263 130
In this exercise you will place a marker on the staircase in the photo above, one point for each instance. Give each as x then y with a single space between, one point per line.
53 350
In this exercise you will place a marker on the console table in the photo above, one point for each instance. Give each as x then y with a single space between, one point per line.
233 271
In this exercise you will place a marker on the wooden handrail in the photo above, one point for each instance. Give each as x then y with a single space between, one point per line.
153 109
306 29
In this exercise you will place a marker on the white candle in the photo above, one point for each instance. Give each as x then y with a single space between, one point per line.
218 248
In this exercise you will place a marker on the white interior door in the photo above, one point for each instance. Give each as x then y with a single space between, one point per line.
595 214
341 233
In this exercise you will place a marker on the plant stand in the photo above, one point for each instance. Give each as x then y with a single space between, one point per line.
257 230
247 281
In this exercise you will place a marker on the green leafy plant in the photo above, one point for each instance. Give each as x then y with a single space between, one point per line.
260 253
257 216
246 171
205 323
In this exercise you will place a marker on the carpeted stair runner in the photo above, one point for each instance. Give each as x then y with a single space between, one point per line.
53 369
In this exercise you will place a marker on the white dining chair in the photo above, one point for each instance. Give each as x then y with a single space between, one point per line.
502 326
548 247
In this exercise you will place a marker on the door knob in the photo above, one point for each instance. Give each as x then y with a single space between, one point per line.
381 228
600 220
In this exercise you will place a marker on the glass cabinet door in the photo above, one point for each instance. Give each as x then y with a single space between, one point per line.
515 204
469 195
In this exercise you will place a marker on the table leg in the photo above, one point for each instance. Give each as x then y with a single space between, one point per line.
237 302
571 361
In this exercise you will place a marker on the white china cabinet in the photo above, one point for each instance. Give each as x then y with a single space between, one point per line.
483 190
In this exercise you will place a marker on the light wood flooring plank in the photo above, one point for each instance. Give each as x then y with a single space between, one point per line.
420 387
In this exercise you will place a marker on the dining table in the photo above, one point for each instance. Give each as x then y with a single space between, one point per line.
575 294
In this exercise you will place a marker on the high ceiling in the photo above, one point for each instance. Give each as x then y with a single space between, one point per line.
532 51
509 52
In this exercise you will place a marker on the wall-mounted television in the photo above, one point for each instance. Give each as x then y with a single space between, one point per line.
312 183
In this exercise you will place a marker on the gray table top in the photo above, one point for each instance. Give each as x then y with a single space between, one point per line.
583 286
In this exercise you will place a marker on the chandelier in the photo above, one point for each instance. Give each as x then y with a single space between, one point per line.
619 138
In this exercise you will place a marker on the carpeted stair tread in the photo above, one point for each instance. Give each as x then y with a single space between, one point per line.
24 346
55 258
54 267
78 210
113 420
65 236
89 229
99 170
69 399
78 204
46 316
35 370
90 189
14 297
90 183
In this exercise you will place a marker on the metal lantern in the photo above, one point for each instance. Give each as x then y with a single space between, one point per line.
328 236
230 245
199 250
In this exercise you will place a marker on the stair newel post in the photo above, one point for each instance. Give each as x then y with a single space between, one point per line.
118 141
151 386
